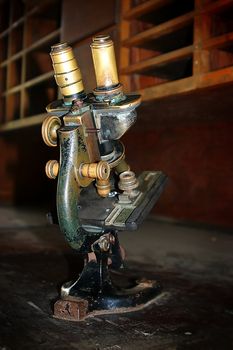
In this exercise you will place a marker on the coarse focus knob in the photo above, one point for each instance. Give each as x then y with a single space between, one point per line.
51 169
49 130
99 170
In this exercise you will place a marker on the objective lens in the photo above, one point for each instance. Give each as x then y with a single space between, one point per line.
67 74
104 62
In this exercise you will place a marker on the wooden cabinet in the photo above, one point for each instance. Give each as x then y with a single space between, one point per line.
174 46
164 47
27 29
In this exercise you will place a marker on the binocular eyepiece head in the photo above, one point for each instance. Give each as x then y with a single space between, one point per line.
68 75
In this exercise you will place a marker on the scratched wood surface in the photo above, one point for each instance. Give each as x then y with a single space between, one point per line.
195 310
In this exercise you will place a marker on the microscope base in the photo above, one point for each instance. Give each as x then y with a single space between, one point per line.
125 295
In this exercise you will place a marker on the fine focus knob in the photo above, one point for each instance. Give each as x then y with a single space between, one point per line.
49 130
99 170
51 169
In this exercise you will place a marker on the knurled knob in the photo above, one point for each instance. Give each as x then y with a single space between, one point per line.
51 169
100 170
49 130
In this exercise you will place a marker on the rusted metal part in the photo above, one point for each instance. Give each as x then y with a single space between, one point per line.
71 310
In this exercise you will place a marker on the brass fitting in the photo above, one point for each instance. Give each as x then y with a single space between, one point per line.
52 169
100 170
103 187
49 130
104 62
67 74
128 181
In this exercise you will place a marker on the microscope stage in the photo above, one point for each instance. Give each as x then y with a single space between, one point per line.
114 214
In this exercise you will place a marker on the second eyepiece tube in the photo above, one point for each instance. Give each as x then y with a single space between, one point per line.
104 62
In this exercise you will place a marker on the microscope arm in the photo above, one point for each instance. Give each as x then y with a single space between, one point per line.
68 193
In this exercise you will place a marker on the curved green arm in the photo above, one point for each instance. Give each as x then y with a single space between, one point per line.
68 192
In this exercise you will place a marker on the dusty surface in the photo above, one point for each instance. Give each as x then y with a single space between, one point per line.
195 310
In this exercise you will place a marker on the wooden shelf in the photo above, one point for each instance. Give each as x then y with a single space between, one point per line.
33 11
160 30
160 38
216 6
26 122
218 41
27 82
144 8
158 61
55 34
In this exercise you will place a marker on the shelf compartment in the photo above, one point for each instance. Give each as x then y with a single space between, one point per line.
15 73
222 22
52 6
18 8
172 70
171 88
161 30
24 68
3 77
38 61
29 83
22 123
140 9
42 24
13 106
39 96
158 61
216 6
16 43
158 11
221 57
48 39
218 41
4 15
164 14
2 109
3 48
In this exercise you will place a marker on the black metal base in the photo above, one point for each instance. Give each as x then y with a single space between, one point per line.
116 292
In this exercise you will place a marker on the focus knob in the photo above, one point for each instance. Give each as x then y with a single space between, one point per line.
100 170
51 169
49 130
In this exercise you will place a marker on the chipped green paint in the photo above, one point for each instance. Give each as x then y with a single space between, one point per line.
68 191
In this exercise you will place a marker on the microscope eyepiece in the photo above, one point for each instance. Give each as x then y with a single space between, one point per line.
104 62
67 73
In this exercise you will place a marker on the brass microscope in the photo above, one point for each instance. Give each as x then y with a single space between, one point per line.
97 194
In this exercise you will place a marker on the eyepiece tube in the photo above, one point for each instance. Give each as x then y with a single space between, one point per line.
104 62
67 73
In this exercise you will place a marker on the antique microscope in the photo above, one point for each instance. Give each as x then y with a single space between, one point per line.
97 193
